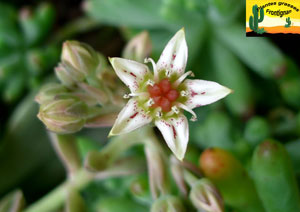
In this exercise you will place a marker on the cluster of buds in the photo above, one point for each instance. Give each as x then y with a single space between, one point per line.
89 93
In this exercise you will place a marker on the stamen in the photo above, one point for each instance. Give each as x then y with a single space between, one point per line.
184 93
150 102
175 109
192 74
143 94
159 114
168 73
126 96
194 118
147 60
181 78
186 108
150 82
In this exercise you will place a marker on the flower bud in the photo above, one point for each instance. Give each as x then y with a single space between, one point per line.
64 115
81 57
205 196
138 47
68 75
49 91
168 204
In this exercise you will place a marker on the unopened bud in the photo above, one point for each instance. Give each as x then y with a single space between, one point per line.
138 47
81 56
68 75
205 196
49 91
64 115
168 204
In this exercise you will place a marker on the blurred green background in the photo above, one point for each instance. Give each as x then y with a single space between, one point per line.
263 72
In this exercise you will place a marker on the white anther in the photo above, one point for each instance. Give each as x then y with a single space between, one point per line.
168 73
193 118
150 102
126 96
175 109
150 82
184 93
159 114
147 60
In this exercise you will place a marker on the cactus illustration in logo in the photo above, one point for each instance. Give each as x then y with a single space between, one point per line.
254 20
288 22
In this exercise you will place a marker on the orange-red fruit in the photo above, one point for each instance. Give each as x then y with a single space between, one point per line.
217 163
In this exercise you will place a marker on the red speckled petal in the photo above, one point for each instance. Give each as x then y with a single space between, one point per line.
202 92
130 118
174 56
176 134
129 71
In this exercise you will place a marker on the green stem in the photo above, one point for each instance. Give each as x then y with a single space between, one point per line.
189 177
57 197
156 163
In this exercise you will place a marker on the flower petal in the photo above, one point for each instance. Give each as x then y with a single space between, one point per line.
174 56
202 92
176 133
129 71
130 118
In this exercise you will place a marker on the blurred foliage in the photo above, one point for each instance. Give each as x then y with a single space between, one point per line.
25 56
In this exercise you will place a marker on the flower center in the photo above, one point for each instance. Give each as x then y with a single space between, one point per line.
163 94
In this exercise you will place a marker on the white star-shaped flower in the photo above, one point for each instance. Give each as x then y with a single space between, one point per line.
162 95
